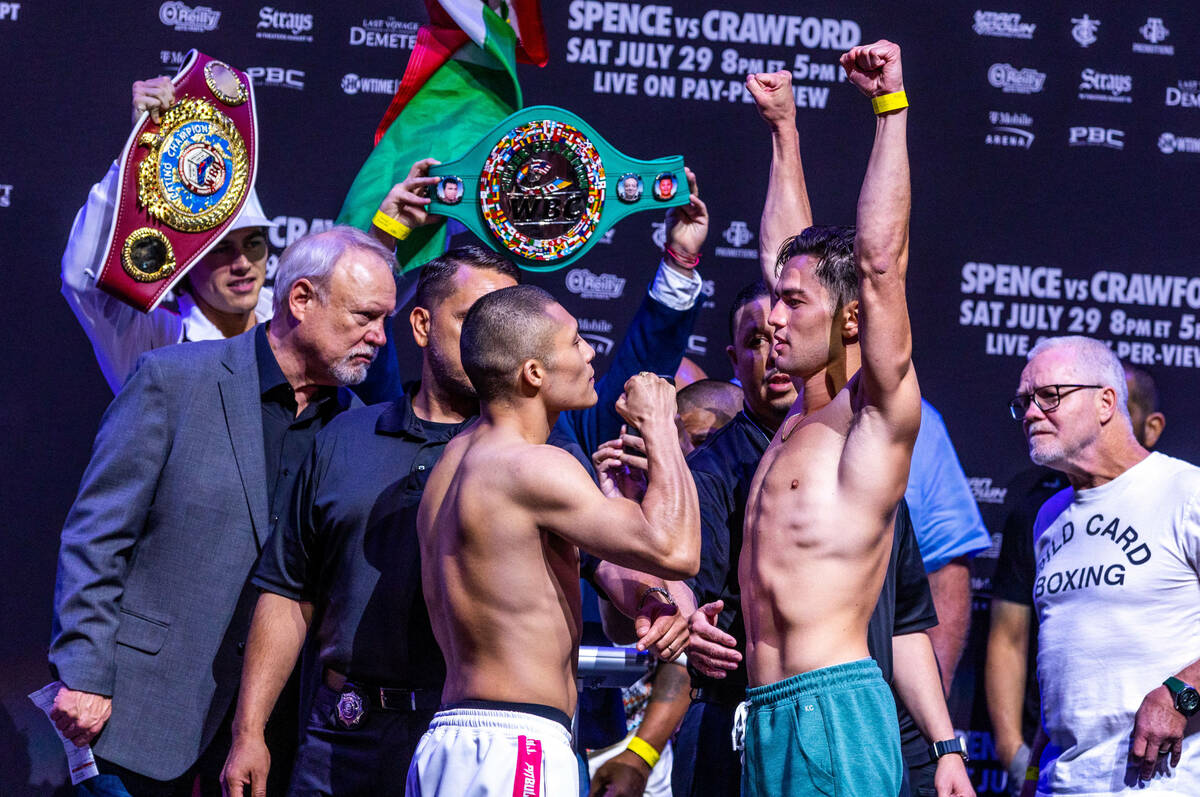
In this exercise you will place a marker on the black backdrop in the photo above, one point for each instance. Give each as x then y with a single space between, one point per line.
1053 152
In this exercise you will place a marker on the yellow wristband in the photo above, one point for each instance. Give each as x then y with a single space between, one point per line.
392 227
1031 773
889 102
643 750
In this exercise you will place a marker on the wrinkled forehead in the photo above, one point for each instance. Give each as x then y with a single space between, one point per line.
752 314
1052 367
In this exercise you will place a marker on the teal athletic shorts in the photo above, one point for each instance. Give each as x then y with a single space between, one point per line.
832 731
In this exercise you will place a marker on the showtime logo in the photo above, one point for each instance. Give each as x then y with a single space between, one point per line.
583 282
1169 144
185 19
353 84
284 25
1011 80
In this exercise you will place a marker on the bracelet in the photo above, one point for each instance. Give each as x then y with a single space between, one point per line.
889 102
1031 772
660 591
643 750
394 228
685 262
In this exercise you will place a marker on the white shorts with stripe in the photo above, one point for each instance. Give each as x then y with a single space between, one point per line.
487 753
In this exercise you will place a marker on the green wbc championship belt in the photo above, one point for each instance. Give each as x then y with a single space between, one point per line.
543 187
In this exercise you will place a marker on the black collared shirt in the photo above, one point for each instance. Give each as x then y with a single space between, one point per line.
348 544
287 437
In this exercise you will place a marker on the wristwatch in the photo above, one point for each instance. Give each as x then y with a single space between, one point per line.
958 745
1187 699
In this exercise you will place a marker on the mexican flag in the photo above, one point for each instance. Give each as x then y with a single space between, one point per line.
461 80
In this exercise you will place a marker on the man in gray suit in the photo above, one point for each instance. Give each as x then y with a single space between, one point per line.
193 459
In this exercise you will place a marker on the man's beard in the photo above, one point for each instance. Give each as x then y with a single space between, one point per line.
448 378
347 372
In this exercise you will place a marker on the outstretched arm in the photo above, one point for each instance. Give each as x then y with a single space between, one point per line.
786 211
881 246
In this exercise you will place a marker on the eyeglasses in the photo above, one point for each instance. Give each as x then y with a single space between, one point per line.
1047 398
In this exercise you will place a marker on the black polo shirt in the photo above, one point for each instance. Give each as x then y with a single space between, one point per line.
348 544
723 469
287 437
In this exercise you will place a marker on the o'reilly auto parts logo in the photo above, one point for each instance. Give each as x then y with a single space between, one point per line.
1096 137
1105 87
185 19
1169 144
1009 130
390 33
1184 94
1003 25
1011 80
353 84
291 26
583 282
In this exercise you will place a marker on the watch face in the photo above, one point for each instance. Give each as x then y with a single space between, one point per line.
1188 701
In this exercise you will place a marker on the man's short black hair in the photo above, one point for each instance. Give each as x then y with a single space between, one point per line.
1142 390
836 268
502 330
437 276
723 399
750 293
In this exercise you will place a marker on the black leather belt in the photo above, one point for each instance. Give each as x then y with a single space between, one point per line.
385 698
724 696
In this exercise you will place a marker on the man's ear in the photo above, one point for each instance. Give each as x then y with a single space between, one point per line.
1152 428
1107 404
848 315
418 319
732 354
302 295
533 375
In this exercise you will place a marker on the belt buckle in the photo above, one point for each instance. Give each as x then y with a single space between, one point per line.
394 699
351 709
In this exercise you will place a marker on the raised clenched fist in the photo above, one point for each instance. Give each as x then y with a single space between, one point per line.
648 403
772 92
874 68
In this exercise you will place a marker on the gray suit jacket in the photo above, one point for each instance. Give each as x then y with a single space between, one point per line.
152 602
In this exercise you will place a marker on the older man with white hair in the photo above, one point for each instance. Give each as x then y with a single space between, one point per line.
1117 588
152 604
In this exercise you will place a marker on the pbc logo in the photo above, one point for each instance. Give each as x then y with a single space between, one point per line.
697 344
276 76
9 11
738 234
1097 137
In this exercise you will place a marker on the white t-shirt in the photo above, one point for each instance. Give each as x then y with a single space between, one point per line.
1118 601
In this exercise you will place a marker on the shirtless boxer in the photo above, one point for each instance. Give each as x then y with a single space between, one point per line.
501 523
819 519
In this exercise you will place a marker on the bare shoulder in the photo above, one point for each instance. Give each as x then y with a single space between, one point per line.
547 473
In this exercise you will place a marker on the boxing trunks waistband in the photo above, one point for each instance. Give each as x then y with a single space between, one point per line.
535 709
